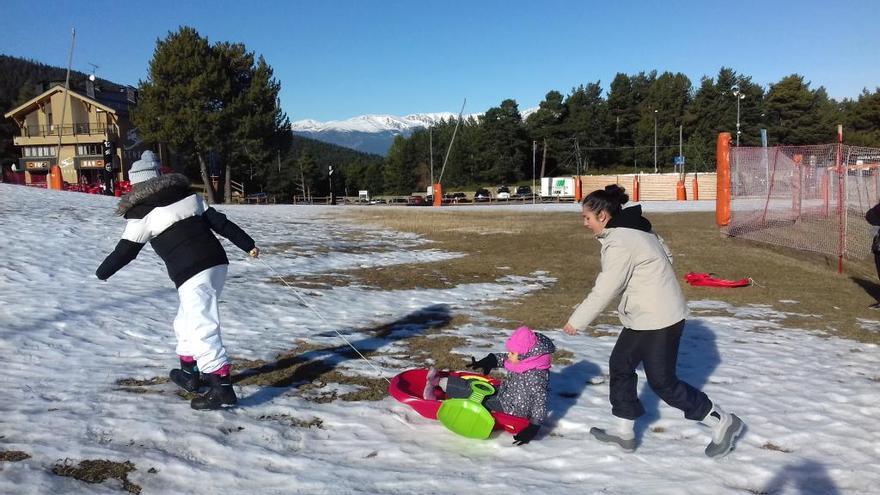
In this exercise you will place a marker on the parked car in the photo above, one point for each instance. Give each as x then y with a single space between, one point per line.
503 192
482 195
416 201
456 197
524 192
398 201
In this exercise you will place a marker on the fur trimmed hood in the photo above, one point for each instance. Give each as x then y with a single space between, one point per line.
144 190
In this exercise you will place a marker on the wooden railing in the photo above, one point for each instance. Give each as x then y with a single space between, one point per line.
76 129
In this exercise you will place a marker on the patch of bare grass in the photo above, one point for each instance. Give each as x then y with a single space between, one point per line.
312 282
563 357
98 471
136 382
557 243
294 422
772 446
138 386
13 455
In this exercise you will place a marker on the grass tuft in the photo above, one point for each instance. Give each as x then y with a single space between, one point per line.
98 471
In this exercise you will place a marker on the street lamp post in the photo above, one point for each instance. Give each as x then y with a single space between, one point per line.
534 159
739 96
655 141
330 175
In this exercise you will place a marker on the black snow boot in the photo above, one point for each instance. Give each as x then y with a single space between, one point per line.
187 377
221 393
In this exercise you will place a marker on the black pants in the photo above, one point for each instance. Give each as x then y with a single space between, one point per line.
877 264
658 350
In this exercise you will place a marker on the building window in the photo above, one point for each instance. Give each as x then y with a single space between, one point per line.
89 149
38 151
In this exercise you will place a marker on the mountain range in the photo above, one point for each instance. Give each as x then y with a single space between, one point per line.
372 133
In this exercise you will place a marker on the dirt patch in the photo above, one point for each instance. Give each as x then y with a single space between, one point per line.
98 471
563 357
771 446
314 282
293 422
136 382
13 455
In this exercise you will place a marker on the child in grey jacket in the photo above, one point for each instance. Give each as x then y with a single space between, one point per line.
523 392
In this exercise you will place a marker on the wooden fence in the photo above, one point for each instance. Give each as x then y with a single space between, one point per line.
654 187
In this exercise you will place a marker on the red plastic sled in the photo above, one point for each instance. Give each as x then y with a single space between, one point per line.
707 280
408 387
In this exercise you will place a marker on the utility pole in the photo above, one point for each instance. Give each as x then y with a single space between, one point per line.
431 152
534 158
655 141
680 130
544 158
63 109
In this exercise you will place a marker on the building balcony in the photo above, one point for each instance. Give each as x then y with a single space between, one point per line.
69 133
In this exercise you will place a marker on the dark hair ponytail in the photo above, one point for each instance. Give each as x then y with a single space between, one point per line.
611 200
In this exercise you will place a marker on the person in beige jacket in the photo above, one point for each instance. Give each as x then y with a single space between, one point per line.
637 266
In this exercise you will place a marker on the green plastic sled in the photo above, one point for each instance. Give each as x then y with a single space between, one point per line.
468 417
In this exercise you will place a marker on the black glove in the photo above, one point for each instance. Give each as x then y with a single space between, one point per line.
526 435
487 364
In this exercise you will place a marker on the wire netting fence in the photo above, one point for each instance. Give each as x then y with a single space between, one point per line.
811 198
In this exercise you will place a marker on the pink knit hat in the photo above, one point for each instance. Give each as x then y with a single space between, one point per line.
522 341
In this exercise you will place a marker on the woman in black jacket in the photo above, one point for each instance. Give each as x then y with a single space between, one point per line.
161 209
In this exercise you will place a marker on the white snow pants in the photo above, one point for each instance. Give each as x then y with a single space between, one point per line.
197 324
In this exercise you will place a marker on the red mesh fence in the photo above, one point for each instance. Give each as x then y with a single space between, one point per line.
812 198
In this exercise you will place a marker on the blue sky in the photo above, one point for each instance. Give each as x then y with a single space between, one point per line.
338 59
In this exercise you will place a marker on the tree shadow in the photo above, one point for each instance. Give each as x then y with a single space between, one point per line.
295 370
566 386
697 359
872 288
808 477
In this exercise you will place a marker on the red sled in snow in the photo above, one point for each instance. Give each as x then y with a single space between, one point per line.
707 280
409 386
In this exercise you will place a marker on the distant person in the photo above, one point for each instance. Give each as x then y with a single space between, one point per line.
525 389
873 218
161 209
637 266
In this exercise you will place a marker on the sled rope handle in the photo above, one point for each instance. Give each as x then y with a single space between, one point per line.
321 317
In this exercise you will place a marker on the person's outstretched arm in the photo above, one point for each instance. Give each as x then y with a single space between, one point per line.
133 239
228 229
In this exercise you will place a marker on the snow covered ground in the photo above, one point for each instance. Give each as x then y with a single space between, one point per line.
810 401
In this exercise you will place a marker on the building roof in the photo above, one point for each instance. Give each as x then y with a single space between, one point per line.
32 103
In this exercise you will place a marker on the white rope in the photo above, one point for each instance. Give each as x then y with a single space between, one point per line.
296 292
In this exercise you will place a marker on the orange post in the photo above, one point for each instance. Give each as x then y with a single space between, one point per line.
55 178
578 189
722 166
438 194
635 191
680 191
696 188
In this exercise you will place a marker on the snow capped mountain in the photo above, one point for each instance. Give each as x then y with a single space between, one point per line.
373 133
374 123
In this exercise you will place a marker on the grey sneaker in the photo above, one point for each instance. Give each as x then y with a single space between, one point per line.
628 445
725 440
